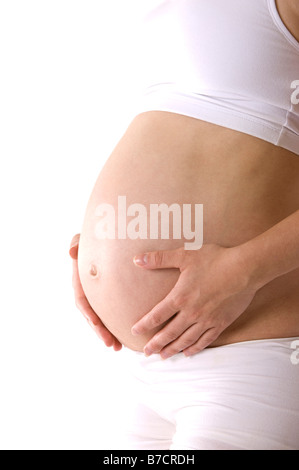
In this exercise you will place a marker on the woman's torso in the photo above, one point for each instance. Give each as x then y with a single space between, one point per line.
245 185
232 63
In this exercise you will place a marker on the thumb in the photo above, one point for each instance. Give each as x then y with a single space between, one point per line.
73 251
160 259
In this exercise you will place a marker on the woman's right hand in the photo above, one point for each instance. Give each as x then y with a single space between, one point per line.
83 305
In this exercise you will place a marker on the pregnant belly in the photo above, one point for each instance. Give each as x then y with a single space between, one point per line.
169 159
121 293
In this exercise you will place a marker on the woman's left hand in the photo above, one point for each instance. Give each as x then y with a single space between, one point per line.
214 288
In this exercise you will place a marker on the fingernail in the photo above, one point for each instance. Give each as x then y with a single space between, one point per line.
147 351
140 260
73 250
165 355
135 331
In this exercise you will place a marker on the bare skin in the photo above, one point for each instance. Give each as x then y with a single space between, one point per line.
247 187
83 304
200 310
289 13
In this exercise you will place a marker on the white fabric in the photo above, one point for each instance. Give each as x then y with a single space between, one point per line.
228 62
242 396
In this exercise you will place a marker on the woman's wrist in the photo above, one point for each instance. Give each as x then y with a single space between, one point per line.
252 266
272 253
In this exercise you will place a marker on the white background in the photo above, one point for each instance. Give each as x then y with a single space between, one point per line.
65 100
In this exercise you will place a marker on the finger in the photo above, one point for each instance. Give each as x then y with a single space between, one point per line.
203 342
160 314
96 324
185 340
117 346
80 298
175 329
73 251
160 259
89 314
108 338
76 279
164 310
101 331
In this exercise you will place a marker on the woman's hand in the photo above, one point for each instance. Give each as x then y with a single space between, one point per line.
83 304
213 290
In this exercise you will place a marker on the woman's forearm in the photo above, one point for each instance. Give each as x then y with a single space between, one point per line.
273 253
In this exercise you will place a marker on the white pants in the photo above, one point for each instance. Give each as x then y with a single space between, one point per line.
243 396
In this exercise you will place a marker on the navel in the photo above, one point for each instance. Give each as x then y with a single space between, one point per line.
93 271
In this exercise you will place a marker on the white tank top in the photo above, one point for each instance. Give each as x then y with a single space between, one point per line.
229 62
